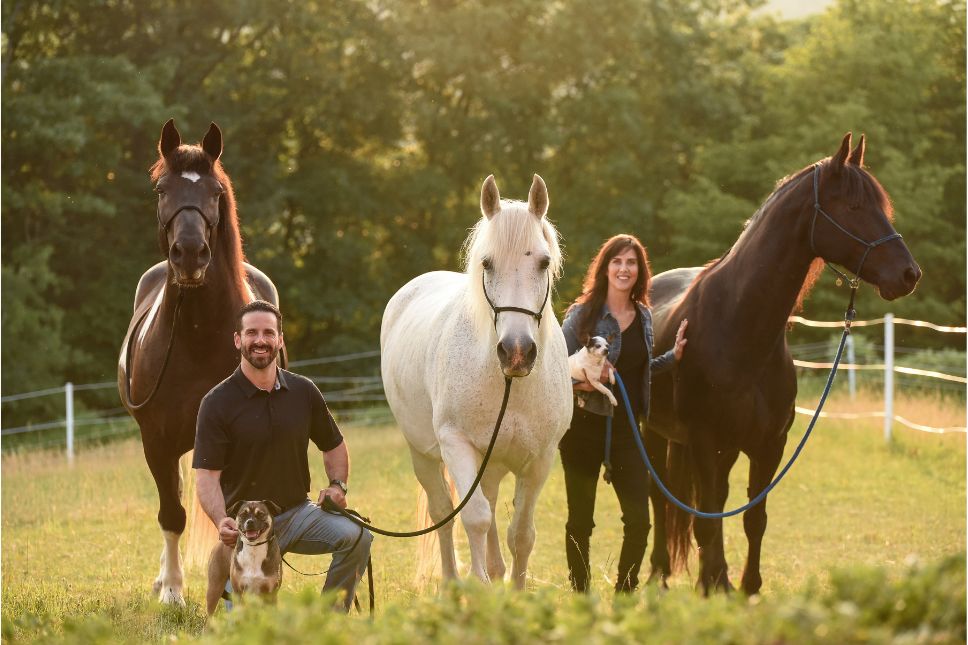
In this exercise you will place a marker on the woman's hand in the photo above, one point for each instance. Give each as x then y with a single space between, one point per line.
680 339
606 377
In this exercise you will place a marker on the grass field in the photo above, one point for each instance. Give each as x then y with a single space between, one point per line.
80 545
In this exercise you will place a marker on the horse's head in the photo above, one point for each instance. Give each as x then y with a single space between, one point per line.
852 224
513 261
190 187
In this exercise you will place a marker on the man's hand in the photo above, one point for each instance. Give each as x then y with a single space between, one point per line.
335 494
228 531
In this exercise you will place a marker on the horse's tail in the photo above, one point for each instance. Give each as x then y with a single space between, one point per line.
680 482
428 546
201 534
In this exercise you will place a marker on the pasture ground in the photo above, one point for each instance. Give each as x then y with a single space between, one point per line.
80 548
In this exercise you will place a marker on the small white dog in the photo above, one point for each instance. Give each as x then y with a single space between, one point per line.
586 365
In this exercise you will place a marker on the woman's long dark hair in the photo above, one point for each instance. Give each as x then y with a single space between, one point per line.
594 289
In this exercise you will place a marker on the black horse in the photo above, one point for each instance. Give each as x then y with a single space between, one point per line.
179 343
735 388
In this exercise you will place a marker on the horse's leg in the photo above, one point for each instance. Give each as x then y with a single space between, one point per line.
712 471
463 461
171 516
495 559
521 533
655 446
762 469
430 475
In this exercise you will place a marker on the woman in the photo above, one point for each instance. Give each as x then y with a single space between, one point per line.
614 305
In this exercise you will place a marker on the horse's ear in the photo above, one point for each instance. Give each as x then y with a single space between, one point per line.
538 197
857 156
839 160
490 198
170 138
212 143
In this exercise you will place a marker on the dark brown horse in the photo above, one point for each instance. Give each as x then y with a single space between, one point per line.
735 388
179 343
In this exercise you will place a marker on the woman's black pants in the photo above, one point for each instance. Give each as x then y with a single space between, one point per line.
582 456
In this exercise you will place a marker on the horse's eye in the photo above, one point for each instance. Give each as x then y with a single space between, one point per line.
544 264
159 190
486 263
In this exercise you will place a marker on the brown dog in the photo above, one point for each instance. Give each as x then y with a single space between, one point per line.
255 564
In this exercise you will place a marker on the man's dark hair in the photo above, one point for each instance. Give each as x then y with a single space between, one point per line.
259 305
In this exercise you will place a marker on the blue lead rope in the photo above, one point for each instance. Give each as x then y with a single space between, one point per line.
608 446
756 500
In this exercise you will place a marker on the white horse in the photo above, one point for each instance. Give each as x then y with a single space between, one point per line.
447 343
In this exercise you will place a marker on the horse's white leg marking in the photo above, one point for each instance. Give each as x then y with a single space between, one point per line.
430 476
463 460
495 559
521 533
169 581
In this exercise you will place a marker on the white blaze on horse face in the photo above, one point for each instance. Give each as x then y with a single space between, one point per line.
191 176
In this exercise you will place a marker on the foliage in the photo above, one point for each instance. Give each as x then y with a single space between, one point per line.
855 528
358 133
927 604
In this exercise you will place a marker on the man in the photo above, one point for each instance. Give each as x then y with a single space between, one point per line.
251 444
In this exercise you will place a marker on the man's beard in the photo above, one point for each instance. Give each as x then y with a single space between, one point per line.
259 361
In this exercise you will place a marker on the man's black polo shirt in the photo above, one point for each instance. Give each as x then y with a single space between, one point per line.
259 439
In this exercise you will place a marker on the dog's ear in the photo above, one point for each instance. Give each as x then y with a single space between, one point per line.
233 510
610 338
590 343
272 506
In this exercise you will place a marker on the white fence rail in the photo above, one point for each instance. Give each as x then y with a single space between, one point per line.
354 390
889 369
369 389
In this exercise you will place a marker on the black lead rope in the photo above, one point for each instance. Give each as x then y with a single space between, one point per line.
330 506
369 565
364 523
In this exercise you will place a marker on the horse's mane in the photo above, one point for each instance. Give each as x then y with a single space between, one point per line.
507 236
861 187
191 158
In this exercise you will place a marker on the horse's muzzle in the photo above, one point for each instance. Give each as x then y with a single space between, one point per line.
901 284
517 356
189 261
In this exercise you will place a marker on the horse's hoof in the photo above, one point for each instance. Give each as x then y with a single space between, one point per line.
751 587
172 596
